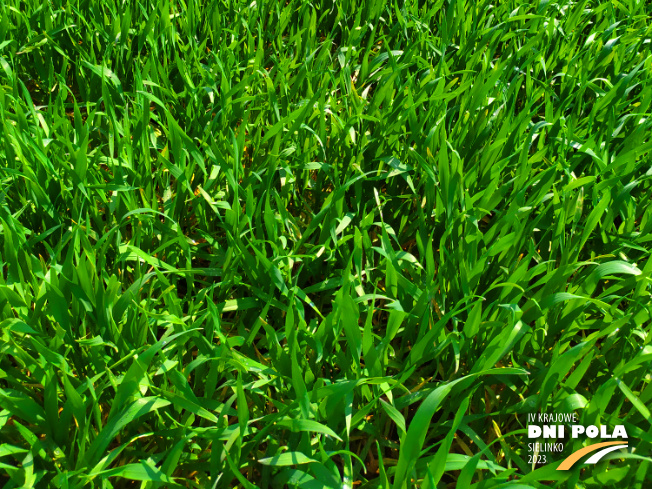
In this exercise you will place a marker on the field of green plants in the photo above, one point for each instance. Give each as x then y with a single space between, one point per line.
322 244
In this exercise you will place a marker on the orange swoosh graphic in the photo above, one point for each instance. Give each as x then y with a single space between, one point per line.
575 456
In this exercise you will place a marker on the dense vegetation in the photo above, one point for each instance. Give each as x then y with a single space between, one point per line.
322 245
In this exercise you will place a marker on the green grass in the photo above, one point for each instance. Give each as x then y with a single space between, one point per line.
322 245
